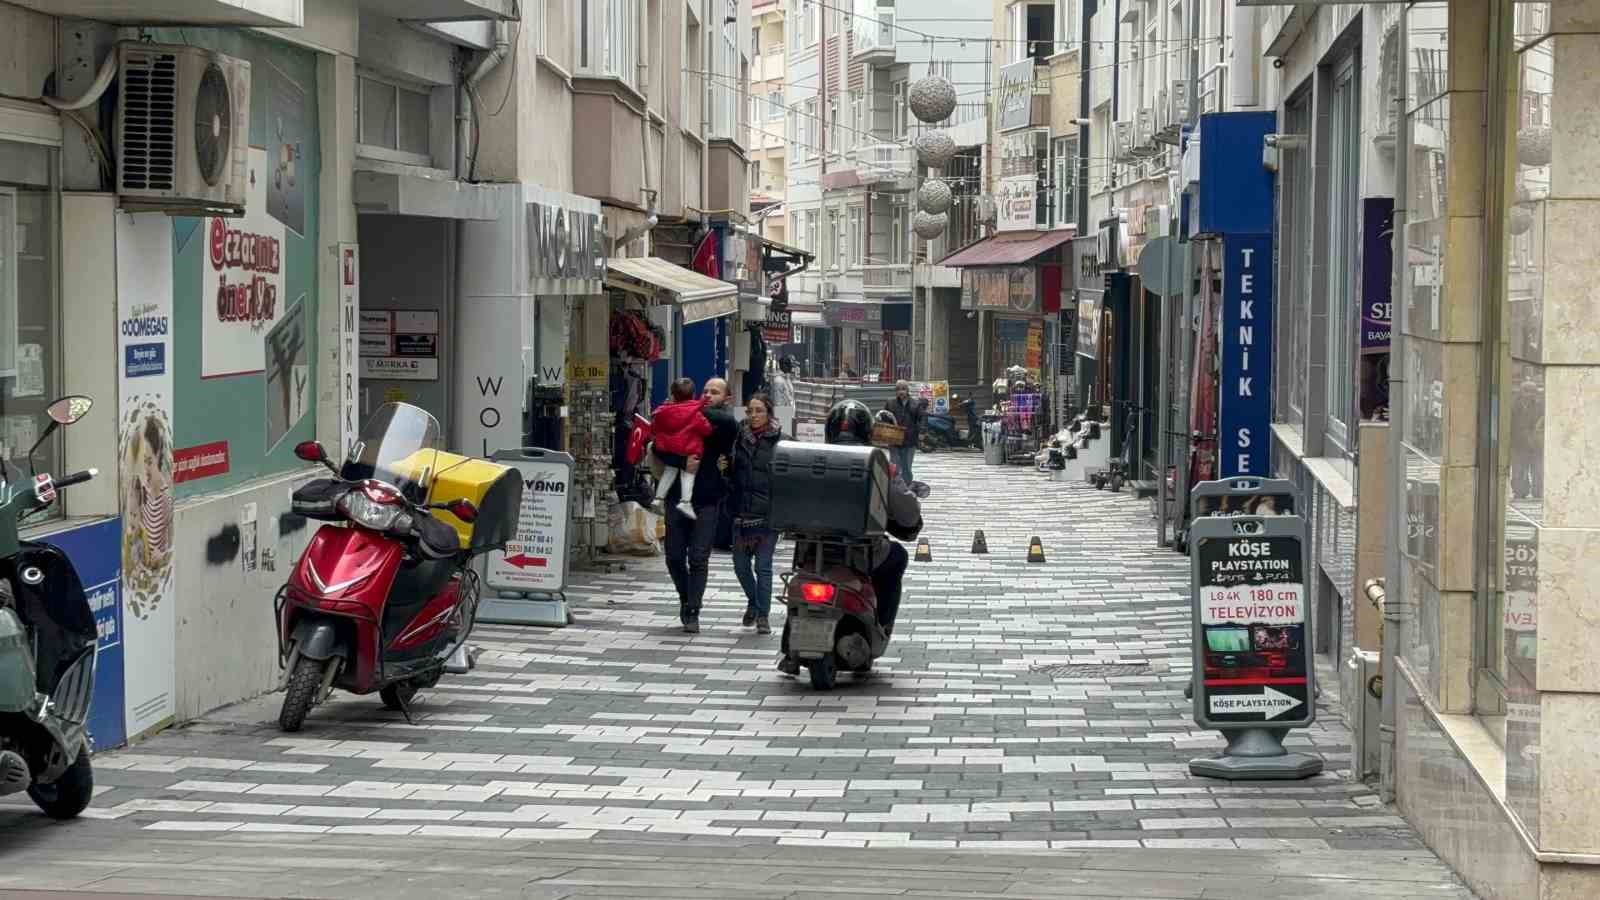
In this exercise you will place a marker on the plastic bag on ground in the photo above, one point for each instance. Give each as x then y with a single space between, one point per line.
633 530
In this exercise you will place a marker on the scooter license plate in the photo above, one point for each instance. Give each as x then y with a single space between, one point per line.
812 634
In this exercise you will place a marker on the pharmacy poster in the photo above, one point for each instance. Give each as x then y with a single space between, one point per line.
145 468
241 283
535 559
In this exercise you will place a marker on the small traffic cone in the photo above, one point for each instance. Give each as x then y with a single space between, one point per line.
979 543
1036 550
924 551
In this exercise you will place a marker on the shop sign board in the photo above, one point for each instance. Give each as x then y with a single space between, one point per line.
201 461
1252 631
400 368
535 559
1091 292
1015 99
861 315
96 552
1245 395
935 393
400 344
1002 288
1018 192
241 283
1377 264
566 245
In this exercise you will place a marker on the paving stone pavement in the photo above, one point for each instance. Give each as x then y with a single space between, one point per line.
1026 735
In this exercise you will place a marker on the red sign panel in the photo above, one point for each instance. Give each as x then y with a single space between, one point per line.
203 461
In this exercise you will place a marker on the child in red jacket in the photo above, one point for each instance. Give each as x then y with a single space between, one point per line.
680 426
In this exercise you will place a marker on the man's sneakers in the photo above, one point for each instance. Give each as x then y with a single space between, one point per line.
749 618
788 665
763 626
691 624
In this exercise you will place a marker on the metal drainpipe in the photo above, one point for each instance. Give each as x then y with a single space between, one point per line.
469 105
1086 33
1393 618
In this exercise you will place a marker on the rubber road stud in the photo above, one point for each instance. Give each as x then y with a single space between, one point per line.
979 543
1036 550
924 551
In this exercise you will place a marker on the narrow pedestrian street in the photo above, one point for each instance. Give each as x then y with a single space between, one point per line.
1026 736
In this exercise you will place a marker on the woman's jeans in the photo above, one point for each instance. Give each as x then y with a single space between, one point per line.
752 549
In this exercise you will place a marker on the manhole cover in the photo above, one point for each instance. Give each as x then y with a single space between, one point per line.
1092 670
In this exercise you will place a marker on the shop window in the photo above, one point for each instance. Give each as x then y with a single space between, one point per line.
1069 19
393 120
726 85
854 250
1344 229
29 340
897 234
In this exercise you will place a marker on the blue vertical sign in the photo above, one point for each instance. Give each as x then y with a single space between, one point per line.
96 553
1244 416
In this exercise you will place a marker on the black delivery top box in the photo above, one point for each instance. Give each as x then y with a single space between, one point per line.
831 489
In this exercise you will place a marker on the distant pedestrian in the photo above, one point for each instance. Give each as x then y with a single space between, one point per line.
908 414
754 541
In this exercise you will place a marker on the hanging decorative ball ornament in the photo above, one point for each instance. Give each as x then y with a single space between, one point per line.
935 149
1521 220
932 99
1533 146
933 196
929 225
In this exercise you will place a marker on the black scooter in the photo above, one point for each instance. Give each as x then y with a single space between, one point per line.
48 645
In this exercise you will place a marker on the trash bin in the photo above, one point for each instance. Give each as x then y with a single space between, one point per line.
994 443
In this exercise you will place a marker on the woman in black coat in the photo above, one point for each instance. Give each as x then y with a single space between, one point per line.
754 541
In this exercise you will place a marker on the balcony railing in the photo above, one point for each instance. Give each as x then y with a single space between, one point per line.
884 162
884 277
873 26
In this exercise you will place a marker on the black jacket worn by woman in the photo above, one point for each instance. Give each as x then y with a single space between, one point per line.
752 473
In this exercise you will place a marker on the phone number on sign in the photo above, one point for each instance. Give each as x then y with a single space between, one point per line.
1267 604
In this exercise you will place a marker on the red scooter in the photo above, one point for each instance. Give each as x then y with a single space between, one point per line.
384 597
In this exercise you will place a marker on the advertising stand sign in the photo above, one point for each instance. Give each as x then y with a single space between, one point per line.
1254 672
527 581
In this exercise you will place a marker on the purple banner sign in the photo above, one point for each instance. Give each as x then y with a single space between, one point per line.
1377 267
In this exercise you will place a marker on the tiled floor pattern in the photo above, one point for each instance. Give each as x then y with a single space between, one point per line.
622 727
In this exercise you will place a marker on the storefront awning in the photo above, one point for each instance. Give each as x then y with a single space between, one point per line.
1008 249
698 297
806 320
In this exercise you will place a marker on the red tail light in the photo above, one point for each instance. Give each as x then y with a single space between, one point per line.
817 592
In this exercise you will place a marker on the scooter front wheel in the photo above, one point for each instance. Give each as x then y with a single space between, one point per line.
68 795
301 693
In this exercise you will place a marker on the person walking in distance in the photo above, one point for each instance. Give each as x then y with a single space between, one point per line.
908 414
689 538
754 541
679 427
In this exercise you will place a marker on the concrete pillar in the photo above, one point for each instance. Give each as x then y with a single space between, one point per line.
1443 308
336 222
1553 438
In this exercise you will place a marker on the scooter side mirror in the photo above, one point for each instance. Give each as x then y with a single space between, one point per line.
311 451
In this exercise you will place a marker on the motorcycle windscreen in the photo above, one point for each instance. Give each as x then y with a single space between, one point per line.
55 610
399 446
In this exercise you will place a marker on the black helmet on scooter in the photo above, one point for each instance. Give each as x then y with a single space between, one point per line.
849 422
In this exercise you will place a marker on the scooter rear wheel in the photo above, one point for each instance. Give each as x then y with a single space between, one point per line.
824 673
301 693
68 795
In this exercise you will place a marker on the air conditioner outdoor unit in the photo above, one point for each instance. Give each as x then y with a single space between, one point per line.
1179 98
1122 136
1163 110
182 130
